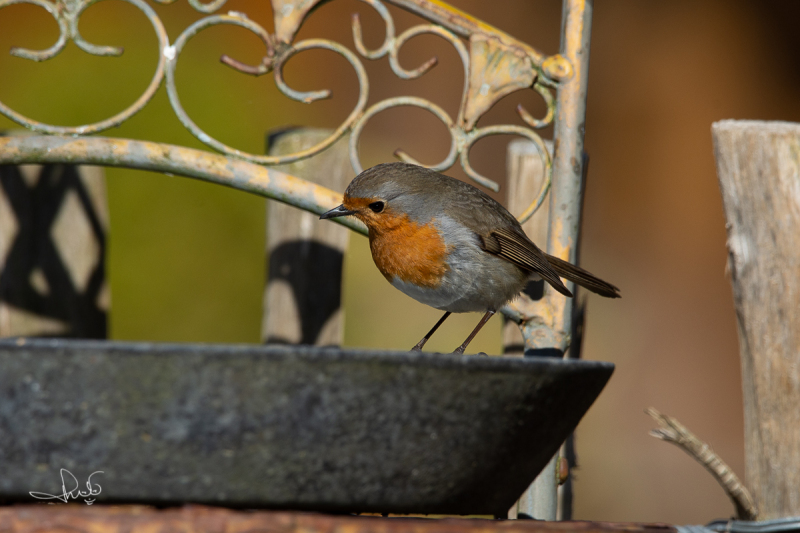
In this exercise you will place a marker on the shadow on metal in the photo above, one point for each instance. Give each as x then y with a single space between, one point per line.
292 427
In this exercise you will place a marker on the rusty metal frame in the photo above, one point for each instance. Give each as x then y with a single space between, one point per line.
177 160
546 323
495 65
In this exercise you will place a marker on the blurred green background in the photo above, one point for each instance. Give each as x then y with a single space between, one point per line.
186 259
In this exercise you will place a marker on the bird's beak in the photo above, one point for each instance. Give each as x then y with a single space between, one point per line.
339 211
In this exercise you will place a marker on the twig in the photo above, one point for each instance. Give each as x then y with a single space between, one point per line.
673 431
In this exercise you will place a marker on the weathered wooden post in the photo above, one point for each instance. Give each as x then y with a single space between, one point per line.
53 224
525 176
302 300
758 165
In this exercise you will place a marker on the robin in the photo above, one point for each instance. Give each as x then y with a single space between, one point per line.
447 244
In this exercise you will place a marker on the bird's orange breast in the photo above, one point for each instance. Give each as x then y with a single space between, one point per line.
403 249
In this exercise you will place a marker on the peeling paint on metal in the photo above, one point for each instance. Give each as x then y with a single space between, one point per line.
176 160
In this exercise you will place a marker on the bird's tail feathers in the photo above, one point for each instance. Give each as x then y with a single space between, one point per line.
583 278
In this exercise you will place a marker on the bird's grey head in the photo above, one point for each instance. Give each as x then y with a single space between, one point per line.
388 181
399 189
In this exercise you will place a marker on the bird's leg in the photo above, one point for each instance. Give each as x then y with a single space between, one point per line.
421 343
475 331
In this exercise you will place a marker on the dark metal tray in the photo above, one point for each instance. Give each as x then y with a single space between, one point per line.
284 426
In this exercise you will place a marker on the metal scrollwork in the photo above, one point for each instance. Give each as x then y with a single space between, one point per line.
67 14
274 60
197 5
492 70
495 65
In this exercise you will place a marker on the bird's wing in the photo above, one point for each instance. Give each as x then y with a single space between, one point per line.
519 250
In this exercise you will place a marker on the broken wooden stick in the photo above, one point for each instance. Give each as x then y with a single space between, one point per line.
673 431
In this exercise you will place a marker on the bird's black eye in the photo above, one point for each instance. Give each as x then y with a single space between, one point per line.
376 207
